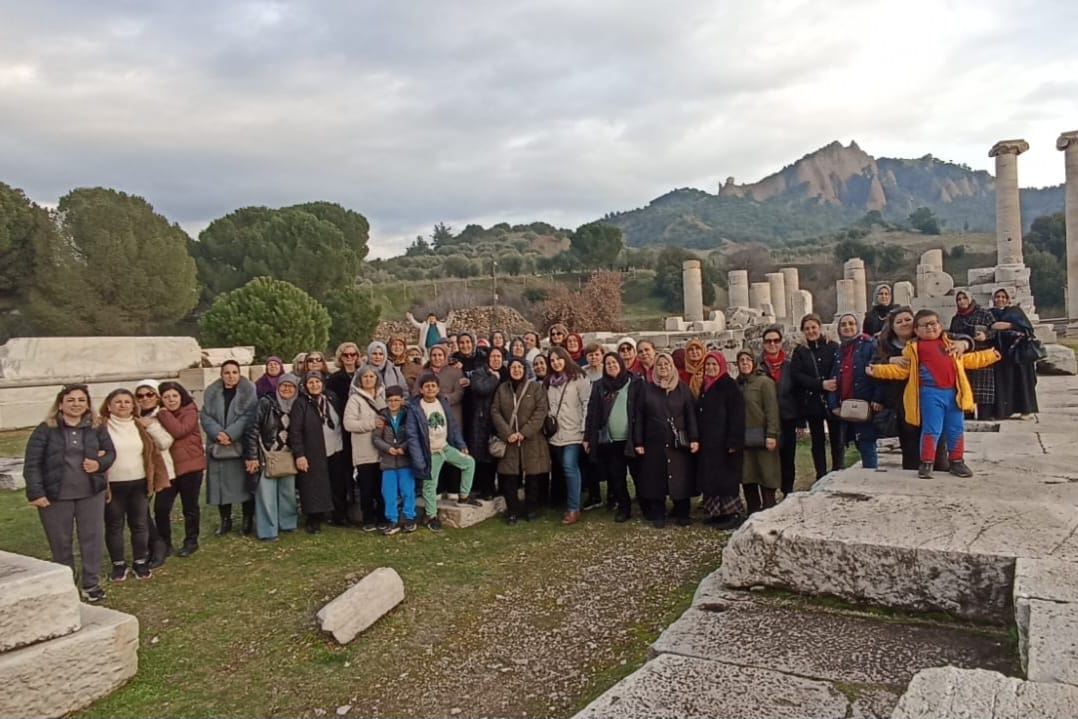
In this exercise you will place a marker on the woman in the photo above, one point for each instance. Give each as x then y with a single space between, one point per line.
593 367
228 407
855 353
338 387
267 383
693 372
378 358
607 432
361 419
314 435
179 417
149 405
531 342
665 436
1016 377
540 368
974 321
484 383
519 350
897 331
876 316
574 344
777 366
720 419
812 368
137 472
761 472
315 362
398 355
557 333
275 497
499 340
299 364
568 393
452 384
66 459
517 413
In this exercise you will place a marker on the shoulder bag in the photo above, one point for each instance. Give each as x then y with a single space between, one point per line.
496 446
855 410
550 424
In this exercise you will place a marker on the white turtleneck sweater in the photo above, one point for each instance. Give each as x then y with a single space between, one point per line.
128 443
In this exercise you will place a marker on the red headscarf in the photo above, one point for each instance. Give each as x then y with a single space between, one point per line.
580 346
721 359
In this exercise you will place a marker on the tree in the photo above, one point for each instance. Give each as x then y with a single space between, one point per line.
23 224
597 306
353 316
317 247
273 315
848 249
669 284
1048 233
597 244
114 267
1047 276
890 257
441 235
418 248
924 220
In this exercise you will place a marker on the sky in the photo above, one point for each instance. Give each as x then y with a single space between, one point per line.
416 112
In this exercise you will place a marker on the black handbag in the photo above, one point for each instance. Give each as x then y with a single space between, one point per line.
755 438
226 451
1028 351
550 424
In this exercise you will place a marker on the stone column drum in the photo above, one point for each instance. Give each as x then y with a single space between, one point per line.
692 283
845 291
1008 212
778 293
801 305
738 281
793 284
854 269
759 295
1068 143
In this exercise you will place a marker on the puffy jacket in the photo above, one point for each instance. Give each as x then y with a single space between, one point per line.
388 438
812 363
418 435
43 468
188 453
361 419
263 431
785 388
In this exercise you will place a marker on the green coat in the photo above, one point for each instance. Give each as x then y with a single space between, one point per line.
761 466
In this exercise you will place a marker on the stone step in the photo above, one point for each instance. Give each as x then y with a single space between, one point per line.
980 694
38 601
67 674
11 473
1046 612
459 516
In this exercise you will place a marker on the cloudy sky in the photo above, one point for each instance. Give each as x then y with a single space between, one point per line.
417 112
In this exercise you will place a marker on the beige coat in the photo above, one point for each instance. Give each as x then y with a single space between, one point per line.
573 410
361 418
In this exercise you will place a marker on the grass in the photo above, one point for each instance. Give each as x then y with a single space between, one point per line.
13 442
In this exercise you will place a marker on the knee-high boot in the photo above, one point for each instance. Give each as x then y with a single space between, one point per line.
225 510
248 517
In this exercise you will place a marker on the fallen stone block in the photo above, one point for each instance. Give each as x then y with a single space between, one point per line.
675 686
11 473
215 356
362 604
1048 589
980 694
459 516
63 675
38 601
1060 360
63 359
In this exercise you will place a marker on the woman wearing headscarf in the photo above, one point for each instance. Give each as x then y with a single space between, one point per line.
228 406
693 372
568 392
761 472
518 411
66 459
574 345
540 368
361 418
720 419
518 349
876 316
891 342
498 339
452 385
974 321
812 369
314 434
267 383
388 373
413 367
856 352
468 356
607 431
275 497
179 417
484 383
1016 375
665 437
776 364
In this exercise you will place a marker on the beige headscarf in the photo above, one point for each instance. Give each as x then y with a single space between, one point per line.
670 383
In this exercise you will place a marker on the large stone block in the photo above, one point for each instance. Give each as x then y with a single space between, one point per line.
1046 613
675 686
215 356
979 694
64 359
1060 360
63 675
459 516
362 604
11 473
38 601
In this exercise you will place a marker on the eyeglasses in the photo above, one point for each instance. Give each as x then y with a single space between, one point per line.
144 395
557 334
315 359
772 342
349 354
929 325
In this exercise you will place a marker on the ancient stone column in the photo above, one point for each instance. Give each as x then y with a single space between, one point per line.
1008 213
778 293
1068 142
902 293
846 291
800 304
793 284
692 284
738 281
759 295
854 269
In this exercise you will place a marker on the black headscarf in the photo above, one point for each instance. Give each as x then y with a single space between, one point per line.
609 385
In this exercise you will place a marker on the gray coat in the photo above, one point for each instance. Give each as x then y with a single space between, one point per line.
532 456
387 438
226 478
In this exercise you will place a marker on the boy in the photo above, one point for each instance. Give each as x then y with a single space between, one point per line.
434 439
398 483
938 392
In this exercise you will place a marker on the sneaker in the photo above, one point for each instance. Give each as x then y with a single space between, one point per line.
959 469
390 530
434 525
592 503
382 526
93 595
142 570
410 527
465 499
370 527
118 573
925 472
511 519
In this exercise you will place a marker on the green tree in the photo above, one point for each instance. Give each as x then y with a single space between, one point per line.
848 249
668 278
353 316
1049 234
353 226
1047 277
442 235
418 248
597 244
924 220
273 315
115 267
23 225
889 258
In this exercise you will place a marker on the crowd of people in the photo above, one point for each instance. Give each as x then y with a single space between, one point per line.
540 423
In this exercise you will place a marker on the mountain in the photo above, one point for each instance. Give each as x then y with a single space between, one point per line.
824 191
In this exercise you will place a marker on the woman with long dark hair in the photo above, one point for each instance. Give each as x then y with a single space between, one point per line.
568 392
812 367
607 431
1016 373
179 417
720 419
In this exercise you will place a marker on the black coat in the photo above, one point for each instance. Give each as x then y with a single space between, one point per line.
789 408
812 363
664 469
43 468
477 431
263 431
306 440
720 419
599 413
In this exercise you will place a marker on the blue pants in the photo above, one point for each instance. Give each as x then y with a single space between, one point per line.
399 484
275 506
941 417
569 459
864 436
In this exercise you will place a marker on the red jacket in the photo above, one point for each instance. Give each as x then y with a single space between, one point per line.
188 453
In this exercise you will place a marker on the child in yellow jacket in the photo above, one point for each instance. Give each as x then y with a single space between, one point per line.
938 392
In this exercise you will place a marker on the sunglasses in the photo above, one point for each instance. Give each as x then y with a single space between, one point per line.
144 395
557 334
315 359
72 387
349 354
772 342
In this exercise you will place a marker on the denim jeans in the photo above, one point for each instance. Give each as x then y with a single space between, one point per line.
568 457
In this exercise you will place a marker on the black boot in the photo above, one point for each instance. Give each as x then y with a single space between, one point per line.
190 534
225 510
158 552
248 518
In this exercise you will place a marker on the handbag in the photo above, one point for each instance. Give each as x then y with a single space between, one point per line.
681 437
1029 351
855 410
886 423
755 438
550 424
226 451
280 463
497 446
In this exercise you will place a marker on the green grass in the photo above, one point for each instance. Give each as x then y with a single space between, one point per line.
13 442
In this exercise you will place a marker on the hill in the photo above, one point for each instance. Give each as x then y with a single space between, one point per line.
822 192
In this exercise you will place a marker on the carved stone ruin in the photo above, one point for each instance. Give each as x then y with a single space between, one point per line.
693 287
1008 212
760 295
1068 143
738 281
793 285
854 269
777 281
846 291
